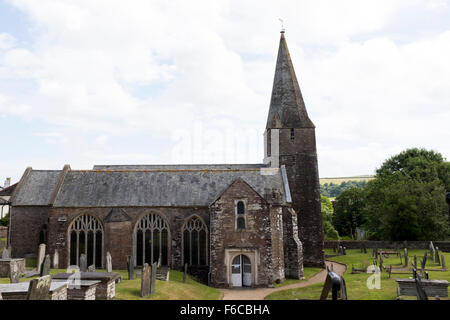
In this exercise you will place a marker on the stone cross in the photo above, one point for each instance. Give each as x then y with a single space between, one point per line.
406 257
443 262
108 262
40 257
14 274
91 268
45 270
130 267
83 263
145 281
185 272
39 288
153 278
56 259
5 254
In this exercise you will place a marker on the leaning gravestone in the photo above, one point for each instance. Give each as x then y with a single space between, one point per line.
56 259
83 263
39 288
14 273
91 268
153 278
145 281
45 270
130 267
40 257
108 262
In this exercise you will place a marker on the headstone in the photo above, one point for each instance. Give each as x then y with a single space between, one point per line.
344 251
56 259
39 288
130 267
415 262
425 260
14 273
91 268
406 257
185 272
153 278
443 262
108 262
381 262
83 263
437 258
45 270
364 248
145 281
40 257
432 251
5 253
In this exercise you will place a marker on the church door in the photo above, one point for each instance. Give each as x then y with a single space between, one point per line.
241 271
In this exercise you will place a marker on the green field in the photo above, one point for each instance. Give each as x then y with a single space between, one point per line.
339 180
356 283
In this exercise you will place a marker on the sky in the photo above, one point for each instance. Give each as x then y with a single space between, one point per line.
86 82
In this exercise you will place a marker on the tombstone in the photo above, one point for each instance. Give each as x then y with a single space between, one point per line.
443 262
406 257
56 259
45 269
421 294
381 262
432 251
415 262
14 273
437 257
40 257
91 268
344 251
185 272
5 253
108 262
153 278
145 281
83 263
364 248
130 267
39 288
336 284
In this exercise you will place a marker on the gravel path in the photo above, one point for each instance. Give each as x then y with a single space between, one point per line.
261 293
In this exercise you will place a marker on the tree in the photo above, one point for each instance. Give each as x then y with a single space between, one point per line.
327 215
348 212
4 221
406 200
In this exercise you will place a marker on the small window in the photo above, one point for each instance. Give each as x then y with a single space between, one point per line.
240 207
241 223
292 134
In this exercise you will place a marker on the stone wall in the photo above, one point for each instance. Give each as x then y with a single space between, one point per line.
293 249
227 242
354 244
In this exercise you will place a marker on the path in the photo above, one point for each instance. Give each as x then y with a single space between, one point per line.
261 293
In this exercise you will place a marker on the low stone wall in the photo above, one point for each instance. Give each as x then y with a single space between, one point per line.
5 267
357 244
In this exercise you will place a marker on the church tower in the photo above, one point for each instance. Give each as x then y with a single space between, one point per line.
290 140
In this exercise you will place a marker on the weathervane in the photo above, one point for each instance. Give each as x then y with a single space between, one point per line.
282 25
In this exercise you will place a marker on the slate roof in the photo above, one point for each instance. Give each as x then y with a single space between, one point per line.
135 188
178 166
287 108
8 191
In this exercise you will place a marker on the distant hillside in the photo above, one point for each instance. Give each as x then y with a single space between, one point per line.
339 180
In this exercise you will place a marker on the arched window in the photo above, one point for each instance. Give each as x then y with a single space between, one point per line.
152 240
195 242
86 236
240 215
240 207
292 134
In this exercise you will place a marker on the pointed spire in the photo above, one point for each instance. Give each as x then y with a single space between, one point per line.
286 105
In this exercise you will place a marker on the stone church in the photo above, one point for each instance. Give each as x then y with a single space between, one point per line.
235 225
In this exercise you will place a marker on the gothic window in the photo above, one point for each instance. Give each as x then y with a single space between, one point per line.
240 215
152 240
292 134
86 236
195 242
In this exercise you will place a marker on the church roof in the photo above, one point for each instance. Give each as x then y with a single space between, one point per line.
287 108
136 188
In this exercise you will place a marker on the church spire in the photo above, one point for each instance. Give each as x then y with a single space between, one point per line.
287 108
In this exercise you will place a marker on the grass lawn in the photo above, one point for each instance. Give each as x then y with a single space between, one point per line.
356 283
174 289
307 272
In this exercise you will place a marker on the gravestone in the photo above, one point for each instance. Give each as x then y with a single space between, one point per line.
14 273
406 257
108 262
344 251
415 262
432 251
443 262
40 257
5 254
153 278
130 267
185 272
91 268
145 281
437 258
364 248
56 259
381 262
83 263
45 270
39 288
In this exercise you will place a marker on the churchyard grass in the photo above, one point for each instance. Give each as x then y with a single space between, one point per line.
357 283
307 272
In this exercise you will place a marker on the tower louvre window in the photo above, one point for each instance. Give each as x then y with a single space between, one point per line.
292 134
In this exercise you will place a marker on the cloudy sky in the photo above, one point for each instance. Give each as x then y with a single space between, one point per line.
90 82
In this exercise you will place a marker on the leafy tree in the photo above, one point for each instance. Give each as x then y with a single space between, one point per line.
327 216
349 212
4 221
332 190
406 200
